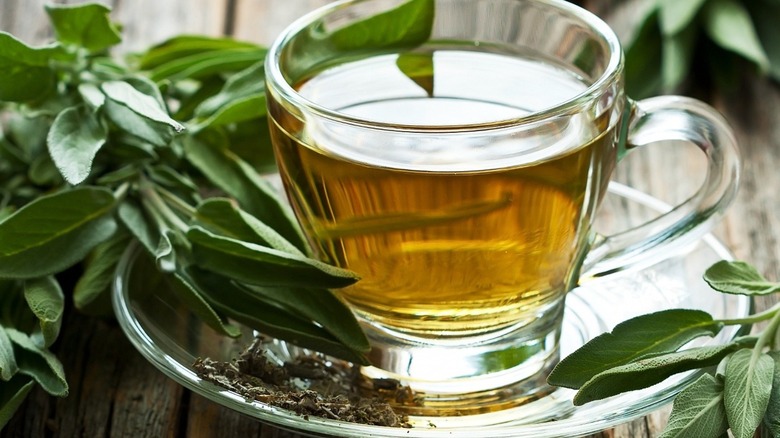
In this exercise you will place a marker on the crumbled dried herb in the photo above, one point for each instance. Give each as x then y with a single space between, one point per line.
309 385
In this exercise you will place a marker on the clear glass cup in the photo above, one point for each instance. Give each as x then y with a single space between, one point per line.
454 153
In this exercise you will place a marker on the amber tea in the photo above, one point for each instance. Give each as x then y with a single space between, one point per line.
456 236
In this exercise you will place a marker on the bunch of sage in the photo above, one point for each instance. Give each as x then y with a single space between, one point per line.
740 389
165 150
714 41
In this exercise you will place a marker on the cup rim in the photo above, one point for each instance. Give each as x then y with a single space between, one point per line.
571 106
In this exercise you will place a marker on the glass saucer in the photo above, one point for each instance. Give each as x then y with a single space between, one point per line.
171 338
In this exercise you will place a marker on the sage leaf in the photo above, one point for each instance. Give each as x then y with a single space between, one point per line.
318 305
646 372
661 332
772 416
38 363
239 180
143 104
164 253
12 394
405 26
99 270
249 82
642 71
74 139
737 277
419 68
729 24
267 317
54 232
182 46
764 18
223 217
45 298
201 65
676 16
86 25
132 216
240 109
677 52
25 74
260 265
698 411
747 388
8 367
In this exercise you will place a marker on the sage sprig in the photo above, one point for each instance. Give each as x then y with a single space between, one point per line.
739 389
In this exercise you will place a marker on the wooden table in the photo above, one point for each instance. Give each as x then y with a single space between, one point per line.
115 392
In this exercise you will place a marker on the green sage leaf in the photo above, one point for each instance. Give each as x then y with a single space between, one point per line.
182 46
55 231
239 180
99 270
729 24
747 388
698 411
249 82
75 137
12 394
8 366
419 68
646 372
677 52
267 317
643 72
676 16
132 216
260 265
25 74
651 334
321 306
201 65
140 103
223 217
772 416
736 277
85 25
47 302
765 19
39 363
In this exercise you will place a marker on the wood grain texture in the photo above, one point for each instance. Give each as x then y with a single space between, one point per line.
116 393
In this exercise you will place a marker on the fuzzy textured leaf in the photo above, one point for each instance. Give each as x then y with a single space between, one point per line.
12 394
747 388
698 411
75 137
99 270
47 302
737 277
55 231
25 74
772 417
86 25
651 334
8 365
260 265
644 373
39 363
182 46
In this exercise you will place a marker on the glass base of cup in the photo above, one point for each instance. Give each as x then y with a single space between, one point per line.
466 376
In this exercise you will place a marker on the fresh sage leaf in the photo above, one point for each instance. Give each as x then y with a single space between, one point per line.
676 16
698 411
132 216
74 139
270 319
223 217
419 68
646 372
747 388
235 177
260 265
85 25
12 394
239 110
38 363
91 95
677 52
249 82
318 305
25 74
737 277
772 416
55 231
729 24
165 254
99 270
642 72
181 46
661 332
126 96
764 18
47 302
201 65
8 366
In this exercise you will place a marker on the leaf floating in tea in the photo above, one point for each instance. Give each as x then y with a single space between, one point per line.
419 68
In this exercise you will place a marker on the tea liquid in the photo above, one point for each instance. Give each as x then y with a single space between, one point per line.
450 235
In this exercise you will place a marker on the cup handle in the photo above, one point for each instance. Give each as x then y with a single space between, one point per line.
668 118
